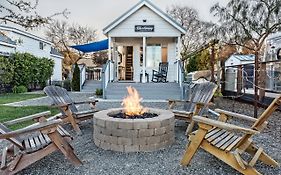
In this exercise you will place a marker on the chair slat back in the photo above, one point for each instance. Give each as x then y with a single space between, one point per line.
15 140
267 113
163 68
200 93
60 96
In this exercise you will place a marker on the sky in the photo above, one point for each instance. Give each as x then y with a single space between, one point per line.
98 14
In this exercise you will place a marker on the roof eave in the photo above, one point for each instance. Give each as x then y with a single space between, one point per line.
131 11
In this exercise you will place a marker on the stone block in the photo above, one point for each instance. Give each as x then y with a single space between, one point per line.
165 122
154 124
105 145
111 125
145 133
159 131
119 132
124 141
153 140
100 122
115 147
132 148
132 133
140 124
111 139
126 124
140 141
164 137
97 142
97 129
147 148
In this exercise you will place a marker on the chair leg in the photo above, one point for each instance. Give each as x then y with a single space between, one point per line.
265 158
64 147
189 128
193 146
228 158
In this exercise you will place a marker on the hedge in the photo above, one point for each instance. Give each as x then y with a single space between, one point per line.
25 69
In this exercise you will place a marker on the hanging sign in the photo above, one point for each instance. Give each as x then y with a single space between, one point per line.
144 28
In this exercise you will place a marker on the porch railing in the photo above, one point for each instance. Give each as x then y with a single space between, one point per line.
181 76
107 75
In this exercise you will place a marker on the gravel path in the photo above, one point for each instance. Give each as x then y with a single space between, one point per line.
163 162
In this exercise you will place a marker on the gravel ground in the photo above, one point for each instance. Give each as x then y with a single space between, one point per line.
162 162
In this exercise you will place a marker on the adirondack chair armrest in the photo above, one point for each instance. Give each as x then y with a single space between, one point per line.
86 102
236 115
61 105
37 127
223 125
35 117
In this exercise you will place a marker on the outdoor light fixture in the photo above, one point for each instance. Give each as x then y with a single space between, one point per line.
144 20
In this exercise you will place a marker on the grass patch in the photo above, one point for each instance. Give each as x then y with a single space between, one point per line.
10 98
9 113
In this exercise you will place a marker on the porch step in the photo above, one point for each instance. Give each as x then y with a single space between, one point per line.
148 91
90 86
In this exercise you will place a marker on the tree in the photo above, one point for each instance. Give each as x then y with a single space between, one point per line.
192 64
64 35
76 78
195 36
100 58
247 23
23 13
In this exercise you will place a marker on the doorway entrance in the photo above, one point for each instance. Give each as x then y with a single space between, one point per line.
129 69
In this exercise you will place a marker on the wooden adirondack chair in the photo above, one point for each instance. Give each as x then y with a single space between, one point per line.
221 139
70 113
41 139
161 74
197 103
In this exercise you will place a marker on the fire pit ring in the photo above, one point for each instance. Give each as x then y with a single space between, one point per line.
134 135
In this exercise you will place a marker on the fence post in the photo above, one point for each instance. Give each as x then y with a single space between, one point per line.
262 81
239 80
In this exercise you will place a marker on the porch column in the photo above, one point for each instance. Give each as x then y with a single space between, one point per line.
178 49
143 59
109 56
115 56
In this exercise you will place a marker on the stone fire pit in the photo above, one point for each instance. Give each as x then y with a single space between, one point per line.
133 135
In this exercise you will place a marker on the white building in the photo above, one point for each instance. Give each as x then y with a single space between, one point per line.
15 40
140 39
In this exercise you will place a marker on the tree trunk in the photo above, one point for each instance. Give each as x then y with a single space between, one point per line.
256 84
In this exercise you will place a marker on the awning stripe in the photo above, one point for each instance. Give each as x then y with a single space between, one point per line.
92 47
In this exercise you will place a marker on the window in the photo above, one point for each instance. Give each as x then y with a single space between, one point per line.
154 55
41 46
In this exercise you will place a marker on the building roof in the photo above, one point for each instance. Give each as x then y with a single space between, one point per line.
21 32
6 39
244 57
135 8
55 52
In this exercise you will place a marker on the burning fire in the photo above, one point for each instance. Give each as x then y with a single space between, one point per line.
132 104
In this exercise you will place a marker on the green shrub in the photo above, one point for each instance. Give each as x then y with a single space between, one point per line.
67 85
76 78
99 92
19 89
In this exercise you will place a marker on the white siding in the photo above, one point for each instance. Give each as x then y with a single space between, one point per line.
8 49
30 45
57 73
127 27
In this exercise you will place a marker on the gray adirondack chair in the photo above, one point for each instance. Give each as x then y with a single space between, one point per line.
197 103
67 106
228 142
33 143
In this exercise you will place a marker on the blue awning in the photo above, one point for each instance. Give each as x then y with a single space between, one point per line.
92 47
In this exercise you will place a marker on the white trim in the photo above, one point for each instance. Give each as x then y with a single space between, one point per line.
7 44
136 8
56 56
24 33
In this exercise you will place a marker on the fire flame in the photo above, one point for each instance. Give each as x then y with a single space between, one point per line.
132 104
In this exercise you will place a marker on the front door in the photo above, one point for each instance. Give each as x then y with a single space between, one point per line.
129 70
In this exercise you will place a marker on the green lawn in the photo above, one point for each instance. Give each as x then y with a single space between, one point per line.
9 113
10 98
